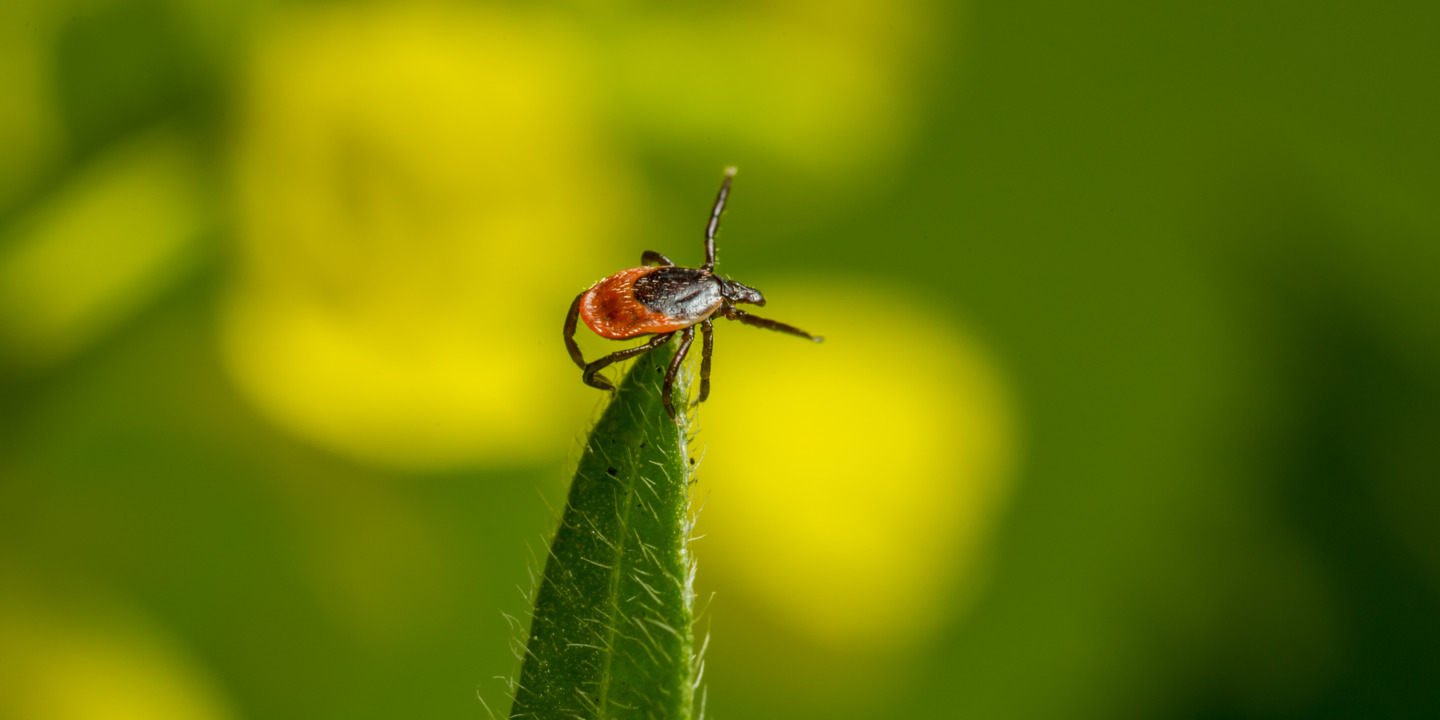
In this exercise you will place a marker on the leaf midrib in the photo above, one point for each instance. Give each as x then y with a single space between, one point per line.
612 627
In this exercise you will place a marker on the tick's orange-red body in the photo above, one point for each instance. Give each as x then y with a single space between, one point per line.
611 309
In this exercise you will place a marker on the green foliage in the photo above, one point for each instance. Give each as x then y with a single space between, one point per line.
611 631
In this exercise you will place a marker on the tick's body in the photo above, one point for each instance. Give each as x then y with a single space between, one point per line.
650 300
660 299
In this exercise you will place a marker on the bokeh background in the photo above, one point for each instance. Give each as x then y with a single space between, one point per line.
1129 407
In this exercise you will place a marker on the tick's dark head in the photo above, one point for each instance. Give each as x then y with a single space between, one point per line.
737 293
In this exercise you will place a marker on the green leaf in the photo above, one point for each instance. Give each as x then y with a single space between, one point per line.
611 632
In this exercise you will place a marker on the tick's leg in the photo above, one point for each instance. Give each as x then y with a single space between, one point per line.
735 313
570 332
650 257
714 223
668 390
707 333
597 381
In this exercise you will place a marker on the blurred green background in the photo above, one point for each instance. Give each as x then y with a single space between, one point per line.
1129 406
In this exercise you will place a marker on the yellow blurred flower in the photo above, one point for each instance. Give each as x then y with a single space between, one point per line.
421 187
859 477
102 663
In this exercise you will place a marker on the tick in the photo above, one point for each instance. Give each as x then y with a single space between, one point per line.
661 299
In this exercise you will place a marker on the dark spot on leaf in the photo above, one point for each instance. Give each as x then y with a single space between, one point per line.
642 443
692 461
610 472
